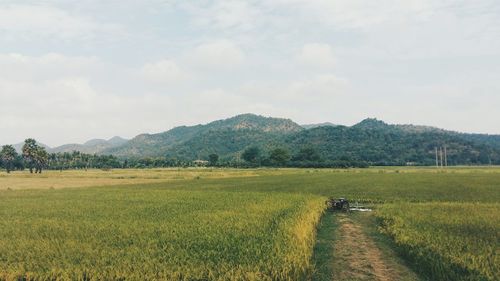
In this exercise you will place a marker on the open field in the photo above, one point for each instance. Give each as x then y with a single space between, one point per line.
368 185
447 241
218 224
81 178
167 234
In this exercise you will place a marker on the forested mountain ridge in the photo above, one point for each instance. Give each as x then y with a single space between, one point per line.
19 146
378 143
94 146
312 126
228 135
370 141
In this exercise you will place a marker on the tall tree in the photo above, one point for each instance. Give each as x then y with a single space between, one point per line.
279 156
212 159
29 153
40 161
307 153
251 154
8 156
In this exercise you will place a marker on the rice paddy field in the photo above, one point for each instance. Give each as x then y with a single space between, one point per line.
447 241
225 224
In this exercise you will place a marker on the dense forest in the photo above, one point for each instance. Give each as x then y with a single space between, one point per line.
35 158
371 141
251 141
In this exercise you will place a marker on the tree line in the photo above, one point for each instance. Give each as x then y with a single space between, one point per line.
35 158
306 157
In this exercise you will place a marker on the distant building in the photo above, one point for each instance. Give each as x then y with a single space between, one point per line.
200 162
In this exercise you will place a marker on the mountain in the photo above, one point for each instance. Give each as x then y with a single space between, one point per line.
227 136
489 140
19 146
91 147
379 143
372 123
371 140
312 126
117 141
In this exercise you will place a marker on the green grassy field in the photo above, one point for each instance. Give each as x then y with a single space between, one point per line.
203 224
79 178
134 233
447 241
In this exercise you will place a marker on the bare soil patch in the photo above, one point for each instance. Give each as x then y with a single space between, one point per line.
358 257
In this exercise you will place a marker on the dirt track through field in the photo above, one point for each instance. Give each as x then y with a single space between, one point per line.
359 258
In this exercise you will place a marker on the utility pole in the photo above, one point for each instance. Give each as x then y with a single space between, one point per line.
441 155
437 163
445 157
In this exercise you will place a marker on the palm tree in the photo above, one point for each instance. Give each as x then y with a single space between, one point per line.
40 159
29 151
8 155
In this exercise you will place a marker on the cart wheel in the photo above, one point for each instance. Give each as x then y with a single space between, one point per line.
345 207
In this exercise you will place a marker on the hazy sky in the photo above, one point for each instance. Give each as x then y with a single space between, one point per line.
75 70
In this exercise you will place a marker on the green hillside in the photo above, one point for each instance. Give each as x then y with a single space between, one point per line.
224 137
92 146
376 142
371 141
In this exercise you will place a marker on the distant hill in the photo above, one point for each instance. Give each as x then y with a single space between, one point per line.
312 126
225 137
379 143
92 146
19 146
371 140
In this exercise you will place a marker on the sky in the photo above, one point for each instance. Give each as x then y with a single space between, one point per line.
73 70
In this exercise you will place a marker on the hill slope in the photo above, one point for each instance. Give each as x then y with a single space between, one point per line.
19 146
225 137
371 140
312 126
379 143
92 146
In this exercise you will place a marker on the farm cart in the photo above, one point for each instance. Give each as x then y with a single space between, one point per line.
340 204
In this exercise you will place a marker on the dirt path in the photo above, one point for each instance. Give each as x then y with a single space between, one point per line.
357 256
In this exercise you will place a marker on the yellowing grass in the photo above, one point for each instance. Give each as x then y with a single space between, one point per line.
447 241
144 234
81 178
229 224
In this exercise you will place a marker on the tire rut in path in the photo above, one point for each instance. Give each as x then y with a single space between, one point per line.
357 257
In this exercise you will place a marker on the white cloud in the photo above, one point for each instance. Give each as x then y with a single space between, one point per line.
28 22
311 60
322 87
73 108
216 55
316 55
317 93
29 68
163 72
356 14
53 95
226 14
